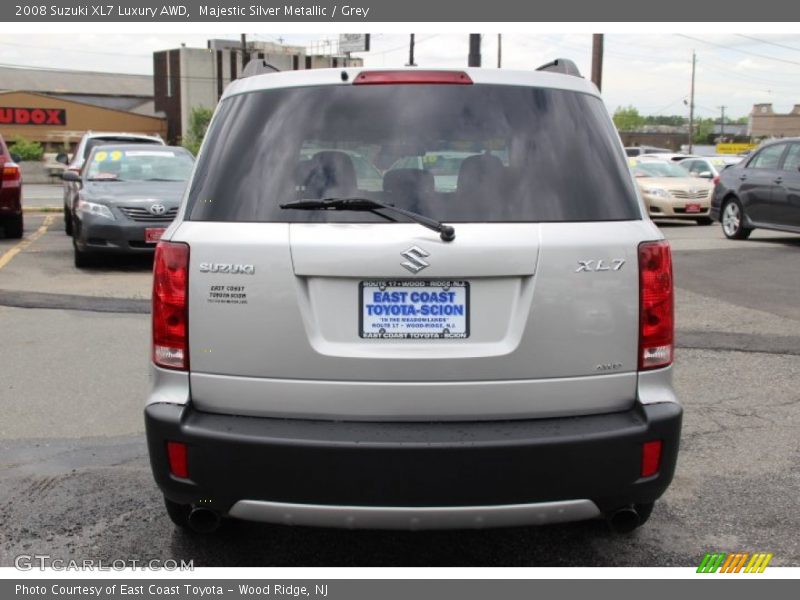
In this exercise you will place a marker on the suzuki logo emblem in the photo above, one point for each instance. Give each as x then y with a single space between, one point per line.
415 256
157 209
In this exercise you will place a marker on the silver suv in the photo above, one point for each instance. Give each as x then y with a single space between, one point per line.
413 357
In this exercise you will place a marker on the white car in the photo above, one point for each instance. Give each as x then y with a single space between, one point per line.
492 355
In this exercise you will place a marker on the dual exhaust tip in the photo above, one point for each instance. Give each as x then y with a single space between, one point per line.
204 520
624 520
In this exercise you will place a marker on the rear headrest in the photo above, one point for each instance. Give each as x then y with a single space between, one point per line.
408 181
480 171
330 173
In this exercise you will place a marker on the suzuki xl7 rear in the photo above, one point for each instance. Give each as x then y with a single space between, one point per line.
339 341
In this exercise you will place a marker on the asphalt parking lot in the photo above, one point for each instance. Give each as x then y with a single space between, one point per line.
74 474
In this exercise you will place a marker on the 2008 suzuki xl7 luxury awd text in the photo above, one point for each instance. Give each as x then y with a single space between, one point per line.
332 352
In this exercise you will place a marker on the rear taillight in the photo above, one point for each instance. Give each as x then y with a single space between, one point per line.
716 179
656 316
11 175
411 77
170 306
178 459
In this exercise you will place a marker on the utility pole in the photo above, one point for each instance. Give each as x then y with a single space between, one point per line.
597 59
722 121
411 52
499 50
245 55
474 59
691 105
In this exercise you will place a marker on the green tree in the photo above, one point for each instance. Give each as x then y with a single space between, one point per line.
198 124
628 119
702 130
26 149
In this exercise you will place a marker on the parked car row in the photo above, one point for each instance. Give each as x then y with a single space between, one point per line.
121 191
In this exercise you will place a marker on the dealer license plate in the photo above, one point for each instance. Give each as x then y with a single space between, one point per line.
153 234
692 208
414 310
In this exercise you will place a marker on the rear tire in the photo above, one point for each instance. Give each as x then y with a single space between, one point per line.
705 221
13 227
67 221
178 513
732 219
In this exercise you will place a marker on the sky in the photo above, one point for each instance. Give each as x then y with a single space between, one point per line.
649 71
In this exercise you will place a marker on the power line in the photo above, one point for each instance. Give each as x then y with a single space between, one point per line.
755 39
764 56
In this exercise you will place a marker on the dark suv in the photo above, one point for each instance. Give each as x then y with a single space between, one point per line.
762 191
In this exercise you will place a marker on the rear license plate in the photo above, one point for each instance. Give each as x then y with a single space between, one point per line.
414 310
153 234
693 208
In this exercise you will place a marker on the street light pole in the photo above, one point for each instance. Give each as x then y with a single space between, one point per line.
411 52
499 50
245 55
597 60
691 105
474 59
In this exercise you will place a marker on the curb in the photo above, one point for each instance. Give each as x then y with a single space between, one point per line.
139 306
42 209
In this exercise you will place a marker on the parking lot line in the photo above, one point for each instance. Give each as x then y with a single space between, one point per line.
6 258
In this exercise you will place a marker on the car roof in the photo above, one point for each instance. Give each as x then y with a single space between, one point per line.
99 134
126 147
345 76
776 141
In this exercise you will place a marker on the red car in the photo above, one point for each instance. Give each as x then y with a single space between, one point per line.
10 194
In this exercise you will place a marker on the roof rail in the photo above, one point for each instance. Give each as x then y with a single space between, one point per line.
561 65
258 66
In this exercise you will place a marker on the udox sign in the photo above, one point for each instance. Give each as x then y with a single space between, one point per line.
10 115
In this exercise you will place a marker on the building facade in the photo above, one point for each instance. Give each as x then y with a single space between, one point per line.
766 123
187 78
56 107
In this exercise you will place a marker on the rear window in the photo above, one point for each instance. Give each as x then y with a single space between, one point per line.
104 141
456 153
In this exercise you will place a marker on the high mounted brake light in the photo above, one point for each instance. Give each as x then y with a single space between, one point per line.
656 316
412 77
170 306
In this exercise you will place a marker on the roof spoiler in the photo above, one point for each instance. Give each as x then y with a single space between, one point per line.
258 66
561 65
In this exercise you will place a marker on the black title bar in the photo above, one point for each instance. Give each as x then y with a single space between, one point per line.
371 11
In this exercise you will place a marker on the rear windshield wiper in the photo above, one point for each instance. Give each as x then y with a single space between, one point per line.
446 232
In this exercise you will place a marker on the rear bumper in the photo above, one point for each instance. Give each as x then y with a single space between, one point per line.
390 474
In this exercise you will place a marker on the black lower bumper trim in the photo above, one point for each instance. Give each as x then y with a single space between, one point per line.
594 457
